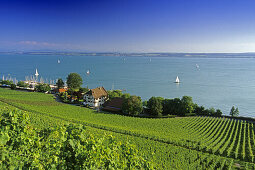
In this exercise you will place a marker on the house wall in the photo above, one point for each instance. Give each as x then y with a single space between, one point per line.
92 102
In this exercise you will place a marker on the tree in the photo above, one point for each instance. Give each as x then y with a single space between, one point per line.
234 111
199 110
155 106
22 84
125 96
60 83
211 111
83 90
145 103
132 105
218 113
13 86
74 80
114 93
42 87
6 82
187 105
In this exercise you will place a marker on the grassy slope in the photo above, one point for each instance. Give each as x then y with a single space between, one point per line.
175 130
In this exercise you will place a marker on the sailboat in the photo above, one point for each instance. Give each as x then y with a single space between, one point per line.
36 73
197 66
88 72
58 61
177 80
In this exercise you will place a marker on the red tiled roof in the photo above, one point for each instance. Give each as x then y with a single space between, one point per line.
60 90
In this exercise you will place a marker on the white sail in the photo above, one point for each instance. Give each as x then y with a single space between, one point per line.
36 73
177 80
58 61
88 72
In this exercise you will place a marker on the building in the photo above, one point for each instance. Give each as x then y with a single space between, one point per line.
114 105
61 90
95 97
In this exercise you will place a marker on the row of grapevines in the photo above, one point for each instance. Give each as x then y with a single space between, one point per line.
222 139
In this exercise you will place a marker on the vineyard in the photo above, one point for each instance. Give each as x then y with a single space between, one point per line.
179 143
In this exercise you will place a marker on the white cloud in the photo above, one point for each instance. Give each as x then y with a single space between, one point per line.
36 43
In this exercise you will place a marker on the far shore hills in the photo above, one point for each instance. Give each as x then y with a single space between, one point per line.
186 55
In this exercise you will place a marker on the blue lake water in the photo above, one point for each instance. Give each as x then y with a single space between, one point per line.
219 82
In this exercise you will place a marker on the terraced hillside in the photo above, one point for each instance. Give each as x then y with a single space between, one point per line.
200 142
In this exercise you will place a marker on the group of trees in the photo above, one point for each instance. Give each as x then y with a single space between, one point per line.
159 106
185 106
200 110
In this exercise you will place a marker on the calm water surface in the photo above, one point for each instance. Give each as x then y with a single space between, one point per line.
218 82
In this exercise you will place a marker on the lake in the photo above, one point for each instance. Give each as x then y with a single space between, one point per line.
211 81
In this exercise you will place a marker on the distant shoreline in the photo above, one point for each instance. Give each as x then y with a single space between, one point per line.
183 55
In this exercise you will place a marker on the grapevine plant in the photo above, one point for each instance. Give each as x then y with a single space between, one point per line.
61 147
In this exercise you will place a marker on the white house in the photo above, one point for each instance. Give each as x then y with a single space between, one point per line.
95 97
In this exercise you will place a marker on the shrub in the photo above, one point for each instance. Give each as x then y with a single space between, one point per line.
22 84
42 87
13 86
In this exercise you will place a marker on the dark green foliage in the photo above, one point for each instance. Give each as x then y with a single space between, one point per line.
132 105
70 91
13 86
171 106
211 111
199 110
114 93
74 80
62 147
64 97
83 90
218 113
42 87
187 104
126 95
234 111
60 83
145 103
22 84
155 106
6 82
117 93
178 106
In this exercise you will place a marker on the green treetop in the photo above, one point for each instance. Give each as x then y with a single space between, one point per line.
155 106
74 81
132 105
60 83
234 111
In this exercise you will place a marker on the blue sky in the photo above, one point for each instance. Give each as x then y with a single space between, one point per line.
128 25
